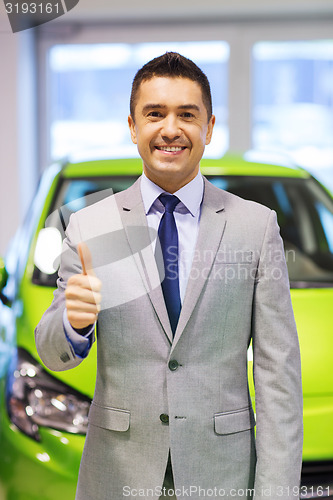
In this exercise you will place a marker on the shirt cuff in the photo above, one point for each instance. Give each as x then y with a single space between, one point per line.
81 343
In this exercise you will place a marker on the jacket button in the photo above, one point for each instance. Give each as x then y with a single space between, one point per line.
164 418
173 365
64 357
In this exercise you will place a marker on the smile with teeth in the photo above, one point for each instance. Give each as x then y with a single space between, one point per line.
170 149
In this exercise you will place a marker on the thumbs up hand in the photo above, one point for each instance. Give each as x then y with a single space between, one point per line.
83 297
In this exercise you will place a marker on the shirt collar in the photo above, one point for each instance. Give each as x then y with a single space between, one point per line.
190 195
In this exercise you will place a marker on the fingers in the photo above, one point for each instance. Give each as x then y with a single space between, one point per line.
77 306
79 320
83 291
85 282
82 303
83 297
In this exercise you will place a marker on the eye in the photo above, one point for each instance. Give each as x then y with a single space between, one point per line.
154 114
187 115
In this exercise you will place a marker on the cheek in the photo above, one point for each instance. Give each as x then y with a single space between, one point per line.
143 145
200 134
145 135
200 141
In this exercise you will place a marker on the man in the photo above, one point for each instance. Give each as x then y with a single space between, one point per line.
171 403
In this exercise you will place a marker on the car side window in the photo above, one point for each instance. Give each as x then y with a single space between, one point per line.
305 217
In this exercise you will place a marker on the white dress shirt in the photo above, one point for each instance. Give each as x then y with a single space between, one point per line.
187 216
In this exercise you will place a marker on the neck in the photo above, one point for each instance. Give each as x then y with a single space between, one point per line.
167 184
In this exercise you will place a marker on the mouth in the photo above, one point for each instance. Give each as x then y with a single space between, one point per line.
170 149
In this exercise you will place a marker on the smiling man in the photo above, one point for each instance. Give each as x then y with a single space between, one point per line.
171 415
171 132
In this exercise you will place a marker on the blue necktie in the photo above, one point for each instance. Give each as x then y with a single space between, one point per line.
168 236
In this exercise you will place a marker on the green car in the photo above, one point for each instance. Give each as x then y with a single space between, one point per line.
43 415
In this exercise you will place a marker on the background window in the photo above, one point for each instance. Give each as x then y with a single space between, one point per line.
293 102
90 87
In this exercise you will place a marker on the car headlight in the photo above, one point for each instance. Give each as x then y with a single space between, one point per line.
36 398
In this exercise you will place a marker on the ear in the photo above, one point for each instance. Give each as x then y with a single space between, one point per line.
131 125
209 134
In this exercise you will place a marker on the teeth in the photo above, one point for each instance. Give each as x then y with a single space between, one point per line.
169 148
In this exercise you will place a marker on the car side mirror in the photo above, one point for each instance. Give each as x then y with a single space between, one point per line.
3 274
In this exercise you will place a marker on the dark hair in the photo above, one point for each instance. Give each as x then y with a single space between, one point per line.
172 64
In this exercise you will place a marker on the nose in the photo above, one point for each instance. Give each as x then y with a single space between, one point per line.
170 128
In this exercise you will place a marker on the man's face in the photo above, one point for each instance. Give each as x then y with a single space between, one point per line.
171 130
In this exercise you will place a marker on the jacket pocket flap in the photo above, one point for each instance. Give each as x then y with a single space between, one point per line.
233 257
234 421
113 419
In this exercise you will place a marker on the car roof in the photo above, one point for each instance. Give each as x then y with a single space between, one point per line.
249 164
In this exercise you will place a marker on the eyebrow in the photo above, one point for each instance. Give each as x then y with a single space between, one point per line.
189 106
147 107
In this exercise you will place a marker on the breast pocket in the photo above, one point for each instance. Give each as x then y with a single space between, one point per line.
113 419
231 422
232 257
233 267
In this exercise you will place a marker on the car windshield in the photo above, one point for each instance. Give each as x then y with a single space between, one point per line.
304 211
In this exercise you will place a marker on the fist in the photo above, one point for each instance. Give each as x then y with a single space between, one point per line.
83 297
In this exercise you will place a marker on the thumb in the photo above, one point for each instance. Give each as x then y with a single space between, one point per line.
86 259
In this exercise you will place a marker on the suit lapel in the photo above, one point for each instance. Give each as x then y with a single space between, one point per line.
140 237
211 229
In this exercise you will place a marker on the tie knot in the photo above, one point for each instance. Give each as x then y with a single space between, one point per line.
169 201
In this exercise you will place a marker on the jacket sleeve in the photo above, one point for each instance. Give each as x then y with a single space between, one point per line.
277 375
53 345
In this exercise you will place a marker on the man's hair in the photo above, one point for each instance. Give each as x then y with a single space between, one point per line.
173 65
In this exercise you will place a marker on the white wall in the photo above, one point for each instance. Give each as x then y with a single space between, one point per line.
9 176
18 118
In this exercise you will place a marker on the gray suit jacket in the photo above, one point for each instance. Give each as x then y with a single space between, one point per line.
238 290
